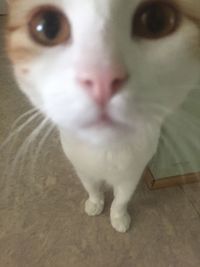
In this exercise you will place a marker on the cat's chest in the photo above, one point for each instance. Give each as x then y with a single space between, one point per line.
108 161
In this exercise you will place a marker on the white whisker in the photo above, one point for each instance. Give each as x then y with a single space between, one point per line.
18 130
23 116
26 144
40 145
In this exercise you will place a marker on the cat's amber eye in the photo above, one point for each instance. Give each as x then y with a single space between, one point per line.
155 20
49 27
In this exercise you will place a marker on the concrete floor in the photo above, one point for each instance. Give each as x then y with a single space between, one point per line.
42 222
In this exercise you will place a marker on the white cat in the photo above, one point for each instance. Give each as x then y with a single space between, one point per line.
107 73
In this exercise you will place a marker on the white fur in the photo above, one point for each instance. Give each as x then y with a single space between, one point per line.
161 71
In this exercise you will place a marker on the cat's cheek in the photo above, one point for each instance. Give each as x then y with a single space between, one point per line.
123 108
68 115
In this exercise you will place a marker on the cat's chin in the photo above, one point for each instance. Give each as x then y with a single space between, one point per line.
103 133
104 137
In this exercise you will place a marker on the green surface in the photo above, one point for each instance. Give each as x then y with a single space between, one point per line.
179 149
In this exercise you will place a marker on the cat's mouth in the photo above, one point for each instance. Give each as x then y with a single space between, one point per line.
104 120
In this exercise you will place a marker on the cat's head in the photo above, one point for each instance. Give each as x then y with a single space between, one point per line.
99 67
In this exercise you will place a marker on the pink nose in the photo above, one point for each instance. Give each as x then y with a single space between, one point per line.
102 85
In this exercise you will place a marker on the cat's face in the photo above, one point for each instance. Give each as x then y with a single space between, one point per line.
100 67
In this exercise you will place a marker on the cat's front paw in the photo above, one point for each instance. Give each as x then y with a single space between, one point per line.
94 208
121 223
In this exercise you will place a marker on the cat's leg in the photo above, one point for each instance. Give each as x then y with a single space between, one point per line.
120 218
94 205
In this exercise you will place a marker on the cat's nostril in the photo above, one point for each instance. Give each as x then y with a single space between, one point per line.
118 83
109 82
88 84
102 85
113 86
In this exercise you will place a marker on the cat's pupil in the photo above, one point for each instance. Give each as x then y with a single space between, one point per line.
49 25
155 19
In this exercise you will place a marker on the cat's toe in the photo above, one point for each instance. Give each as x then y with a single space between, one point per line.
92 208
121 224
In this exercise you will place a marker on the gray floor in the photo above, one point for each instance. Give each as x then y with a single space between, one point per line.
42 222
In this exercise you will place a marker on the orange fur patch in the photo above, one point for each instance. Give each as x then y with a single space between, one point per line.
21 54
25 70
11 28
